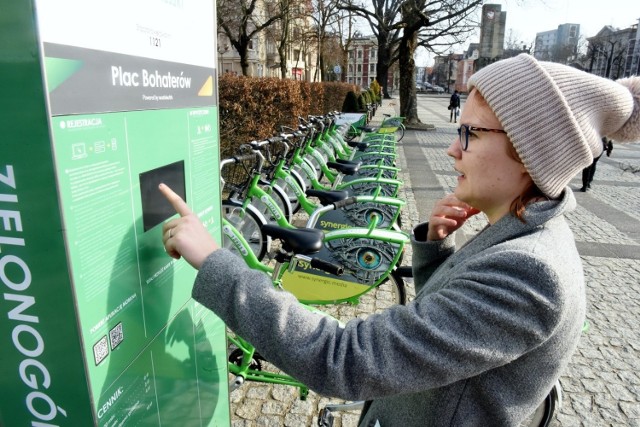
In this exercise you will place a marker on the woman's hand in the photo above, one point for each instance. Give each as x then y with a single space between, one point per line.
447 216
185 236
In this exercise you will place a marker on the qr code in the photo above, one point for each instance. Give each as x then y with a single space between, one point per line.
100 350
116 336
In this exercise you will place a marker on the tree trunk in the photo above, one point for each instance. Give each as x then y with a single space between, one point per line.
283 62
384 63
244 62
408 101
242 46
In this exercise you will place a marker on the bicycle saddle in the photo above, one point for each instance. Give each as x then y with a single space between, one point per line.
362 146
328 196
349 162
347 169
297 240
365 128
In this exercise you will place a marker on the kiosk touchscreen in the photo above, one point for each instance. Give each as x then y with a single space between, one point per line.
101 102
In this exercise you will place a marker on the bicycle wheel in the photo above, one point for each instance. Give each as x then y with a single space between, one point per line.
290 191
388 293
543 414
249 223
312 161
400 133
302 173
281 200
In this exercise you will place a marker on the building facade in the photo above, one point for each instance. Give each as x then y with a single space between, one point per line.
492 29
559 45
613 53
362 64
362 61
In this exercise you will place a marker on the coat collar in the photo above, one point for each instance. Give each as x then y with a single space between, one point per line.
508 227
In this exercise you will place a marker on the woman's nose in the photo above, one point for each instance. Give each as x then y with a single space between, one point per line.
454 149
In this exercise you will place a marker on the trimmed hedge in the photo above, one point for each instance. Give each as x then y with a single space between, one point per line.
255 108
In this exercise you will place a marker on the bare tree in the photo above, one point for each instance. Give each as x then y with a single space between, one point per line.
241 20
383 17
401 26
290 30
414 19
324 14
345 30
439 22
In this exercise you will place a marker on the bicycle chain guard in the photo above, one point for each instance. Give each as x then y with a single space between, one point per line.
364 259
370 188
361 214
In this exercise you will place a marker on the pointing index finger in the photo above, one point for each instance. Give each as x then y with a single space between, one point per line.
176 201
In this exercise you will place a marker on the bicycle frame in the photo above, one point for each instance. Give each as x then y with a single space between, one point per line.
243 370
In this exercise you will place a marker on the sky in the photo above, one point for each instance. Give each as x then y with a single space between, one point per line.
528 17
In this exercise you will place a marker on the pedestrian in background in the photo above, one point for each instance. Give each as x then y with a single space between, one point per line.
454 107
590 171
493 324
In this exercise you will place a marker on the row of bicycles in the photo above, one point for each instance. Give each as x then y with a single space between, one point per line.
338 183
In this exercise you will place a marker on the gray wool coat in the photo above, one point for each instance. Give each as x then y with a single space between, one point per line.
490 330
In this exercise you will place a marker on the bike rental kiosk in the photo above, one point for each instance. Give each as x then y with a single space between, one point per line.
100 102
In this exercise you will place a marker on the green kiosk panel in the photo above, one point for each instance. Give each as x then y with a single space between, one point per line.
102 101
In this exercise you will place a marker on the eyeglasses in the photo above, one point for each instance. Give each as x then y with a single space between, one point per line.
464 130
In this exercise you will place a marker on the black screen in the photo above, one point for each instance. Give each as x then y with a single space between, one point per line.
155 208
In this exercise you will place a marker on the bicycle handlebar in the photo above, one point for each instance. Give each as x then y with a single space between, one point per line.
327 266
259 143
346 202
242 158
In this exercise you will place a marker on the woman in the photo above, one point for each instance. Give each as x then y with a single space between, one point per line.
493 324
454 106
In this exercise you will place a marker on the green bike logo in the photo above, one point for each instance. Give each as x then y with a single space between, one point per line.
272 207
227 231
316 155
293 184
333 225
308 170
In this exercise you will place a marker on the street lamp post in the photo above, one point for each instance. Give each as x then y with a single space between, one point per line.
449 73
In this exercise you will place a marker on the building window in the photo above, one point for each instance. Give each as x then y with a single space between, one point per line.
373 53
359 53
350 54
372 68
359 70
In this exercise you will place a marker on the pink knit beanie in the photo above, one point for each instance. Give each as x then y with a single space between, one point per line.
555 115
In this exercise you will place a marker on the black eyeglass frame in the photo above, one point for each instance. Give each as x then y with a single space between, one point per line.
464 145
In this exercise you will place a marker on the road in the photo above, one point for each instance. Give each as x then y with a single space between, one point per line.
602 384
